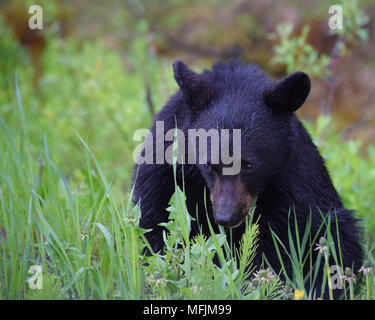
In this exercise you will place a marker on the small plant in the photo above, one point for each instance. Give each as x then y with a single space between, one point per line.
354 20
367 270
350 277
296 54
324 250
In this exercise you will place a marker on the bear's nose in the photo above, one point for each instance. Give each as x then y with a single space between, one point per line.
224 219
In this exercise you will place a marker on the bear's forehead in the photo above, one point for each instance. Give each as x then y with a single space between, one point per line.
234 79
237 97
248 118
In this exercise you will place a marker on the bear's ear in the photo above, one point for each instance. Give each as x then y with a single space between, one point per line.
289 94
194 87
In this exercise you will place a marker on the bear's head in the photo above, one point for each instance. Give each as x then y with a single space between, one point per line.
233 97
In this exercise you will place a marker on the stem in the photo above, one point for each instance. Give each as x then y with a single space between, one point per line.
351 290
162 292
134 264
328 277
368 286
262 291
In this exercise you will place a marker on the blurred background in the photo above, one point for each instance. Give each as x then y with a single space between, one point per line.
103 68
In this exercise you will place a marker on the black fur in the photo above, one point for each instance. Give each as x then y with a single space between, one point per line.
290 173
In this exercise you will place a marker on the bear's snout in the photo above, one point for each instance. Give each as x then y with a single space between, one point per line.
228 219
231 202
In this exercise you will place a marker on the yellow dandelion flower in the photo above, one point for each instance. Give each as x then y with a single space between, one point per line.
298 294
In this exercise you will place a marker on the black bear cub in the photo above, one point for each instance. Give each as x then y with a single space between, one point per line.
280 166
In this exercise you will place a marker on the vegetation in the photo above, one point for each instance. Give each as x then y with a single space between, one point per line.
66 154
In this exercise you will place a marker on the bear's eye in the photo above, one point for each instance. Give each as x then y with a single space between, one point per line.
248 167
212 168
208 167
